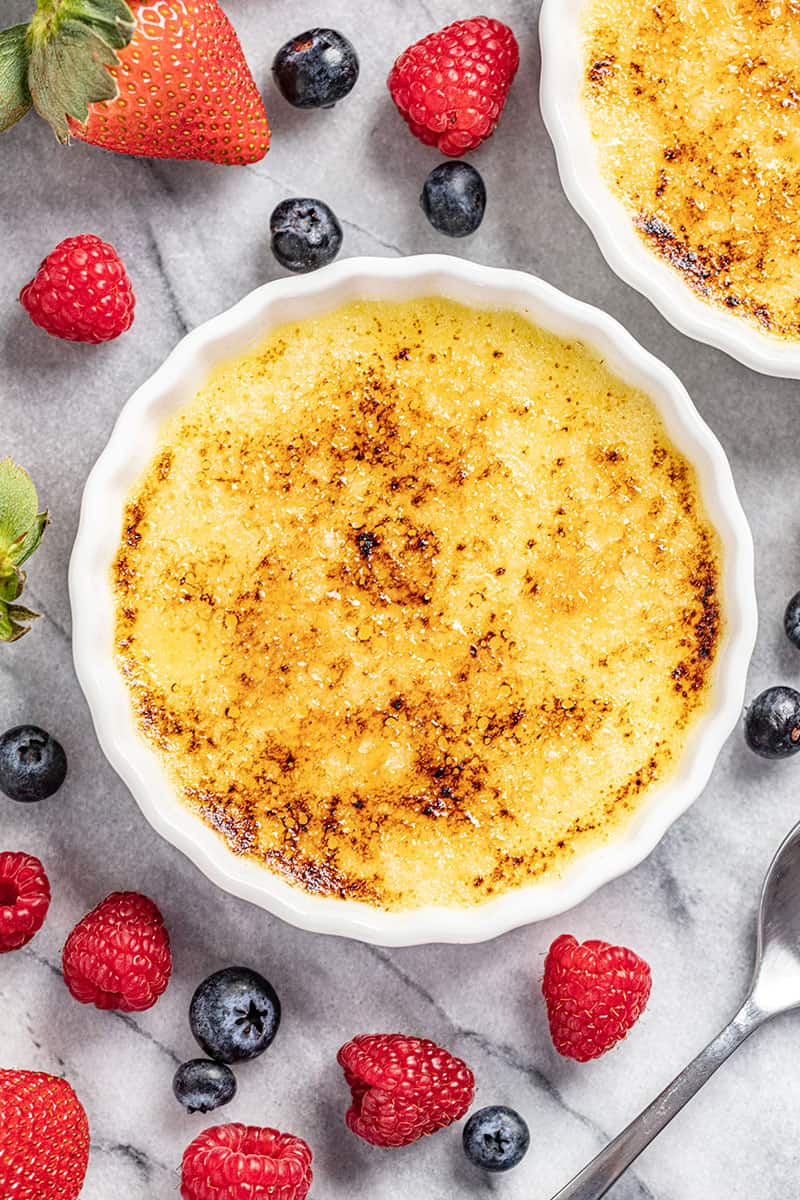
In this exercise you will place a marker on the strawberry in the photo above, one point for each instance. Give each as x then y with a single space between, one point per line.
450 87
44 1137
166 79
403 1087
594 993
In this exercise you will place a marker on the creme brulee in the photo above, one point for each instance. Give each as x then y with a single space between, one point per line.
416 602
695 108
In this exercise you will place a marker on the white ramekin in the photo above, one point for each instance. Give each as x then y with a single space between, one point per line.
623 248
128 452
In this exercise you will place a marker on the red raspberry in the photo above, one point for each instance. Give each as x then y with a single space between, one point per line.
24 899
44 1137
403 1087
118 956
243 1162
451 86
594 994
81 292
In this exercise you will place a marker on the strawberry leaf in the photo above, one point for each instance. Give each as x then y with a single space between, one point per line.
68 74
111 20
31 541
21 524
11 618
11 585
21 529
15 97
73 45
7 624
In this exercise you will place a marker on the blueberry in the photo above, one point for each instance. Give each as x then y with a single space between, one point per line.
791 620
234 1014
454 199
316 68
202 1085
305 234
33 765
772 723
496 1138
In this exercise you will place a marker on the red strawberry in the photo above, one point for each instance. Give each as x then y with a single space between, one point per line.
166 79
403 1087
118 956
243 1162
44 1138
24 899
594 993
81 292
451 86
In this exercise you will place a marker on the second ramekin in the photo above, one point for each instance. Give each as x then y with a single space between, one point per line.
564 112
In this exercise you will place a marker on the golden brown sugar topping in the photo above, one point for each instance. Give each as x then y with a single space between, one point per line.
695 106
415 602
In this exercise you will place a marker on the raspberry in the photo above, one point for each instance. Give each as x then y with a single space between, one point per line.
451 86
24 899
243 1162
118 956
81 292
44 1137
403 1087
594 994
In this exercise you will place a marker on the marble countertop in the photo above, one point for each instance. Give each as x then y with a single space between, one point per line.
196 239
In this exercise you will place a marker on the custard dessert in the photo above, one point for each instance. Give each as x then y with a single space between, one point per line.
416 602
695 108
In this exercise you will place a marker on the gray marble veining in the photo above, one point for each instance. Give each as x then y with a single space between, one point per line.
195 239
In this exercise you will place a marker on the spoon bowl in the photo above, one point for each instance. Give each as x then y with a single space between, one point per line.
776 979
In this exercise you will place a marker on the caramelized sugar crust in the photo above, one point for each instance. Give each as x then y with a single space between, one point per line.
695 105
416 602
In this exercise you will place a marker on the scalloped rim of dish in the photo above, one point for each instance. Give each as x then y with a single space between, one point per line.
564 113
130 449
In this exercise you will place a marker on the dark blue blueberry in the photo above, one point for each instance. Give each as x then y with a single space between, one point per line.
772 723
496 1138
454 199
235 1014
33 764
202 1085
305 234
791 620
316 68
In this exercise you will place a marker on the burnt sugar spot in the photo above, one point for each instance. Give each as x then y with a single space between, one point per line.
396 561
701 622
323 878
134 515
229 813
124 575
164 465
601 70
160 722
366 543
701 270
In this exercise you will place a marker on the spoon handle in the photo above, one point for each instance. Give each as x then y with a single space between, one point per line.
604 1170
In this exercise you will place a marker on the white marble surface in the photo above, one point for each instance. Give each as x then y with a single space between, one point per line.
195 239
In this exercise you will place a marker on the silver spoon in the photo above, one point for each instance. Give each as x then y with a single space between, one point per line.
775 989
